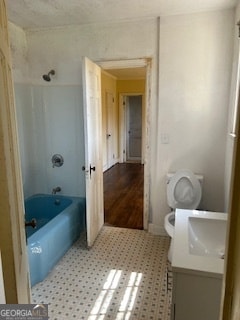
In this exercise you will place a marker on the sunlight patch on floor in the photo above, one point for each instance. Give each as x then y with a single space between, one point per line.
130 296
104 299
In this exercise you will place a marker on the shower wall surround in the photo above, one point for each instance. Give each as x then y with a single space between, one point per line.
50 120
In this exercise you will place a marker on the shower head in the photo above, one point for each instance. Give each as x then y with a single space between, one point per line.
47 77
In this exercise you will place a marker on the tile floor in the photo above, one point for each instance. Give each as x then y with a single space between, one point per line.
123 276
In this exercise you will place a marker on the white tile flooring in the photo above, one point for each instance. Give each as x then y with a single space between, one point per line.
123 276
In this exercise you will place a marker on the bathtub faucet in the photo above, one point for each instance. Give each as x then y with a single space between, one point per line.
55 190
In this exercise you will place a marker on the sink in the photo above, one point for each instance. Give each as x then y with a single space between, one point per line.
207 237
199 242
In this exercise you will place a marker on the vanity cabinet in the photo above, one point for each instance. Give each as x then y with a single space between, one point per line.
195 296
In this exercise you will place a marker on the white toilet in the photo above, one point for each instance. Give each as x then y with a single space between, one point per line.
184 191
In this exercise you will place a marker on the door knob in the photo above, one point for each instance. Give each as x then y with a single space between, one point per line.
90 169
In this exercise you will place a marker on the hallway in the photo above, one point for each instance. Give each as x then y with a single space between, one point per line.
123 195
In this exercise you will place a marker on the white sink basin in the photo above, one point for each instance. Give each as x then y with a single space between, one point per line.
199 242
207 237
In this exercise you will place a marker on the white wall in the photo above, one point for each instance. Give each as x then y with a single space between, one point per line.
232 101
50 121
195 55
19 49
23 99
62 49
195 64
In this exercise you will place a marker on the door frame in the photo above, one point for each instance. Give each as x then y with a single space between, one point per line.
12 227
137 63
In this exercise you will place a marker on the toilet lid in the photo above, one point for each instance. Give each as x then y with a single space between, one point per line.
184 190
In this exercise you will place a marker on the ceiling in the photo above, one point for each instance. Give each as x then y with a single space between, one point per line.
32 14
35 14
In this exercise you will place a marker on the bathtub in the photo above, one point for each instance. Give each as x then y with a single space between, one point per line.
60 220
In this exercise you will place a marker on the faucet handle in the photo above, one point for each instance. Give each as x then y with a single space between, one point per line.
57 160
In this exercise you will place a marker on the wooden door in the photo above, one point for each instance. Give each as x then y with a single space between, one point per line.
134 128
12 227
93 148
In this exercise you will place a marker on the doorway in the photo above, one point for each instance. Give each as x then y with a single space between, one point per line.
136 67
121 178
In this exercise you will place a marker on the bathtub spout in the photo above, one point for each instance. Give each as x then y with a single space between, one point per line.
55 190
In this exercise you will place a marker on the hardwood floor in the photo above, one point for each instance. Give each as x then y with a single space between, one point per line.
123 195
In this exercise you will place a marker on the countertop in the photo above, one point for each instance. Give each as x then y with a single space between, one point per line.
182 260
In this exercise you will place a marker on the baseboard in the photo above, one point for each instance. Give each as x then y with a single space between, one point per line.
156 229
105 168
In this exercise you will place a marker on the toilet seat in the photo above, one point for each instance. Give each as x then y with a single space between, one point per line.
184 190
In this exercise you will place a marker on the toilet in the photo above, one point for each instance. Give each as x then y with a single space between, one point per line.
184 191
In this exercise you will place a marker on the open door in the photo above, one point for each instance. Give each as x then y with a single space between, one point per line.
93 148
12 228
